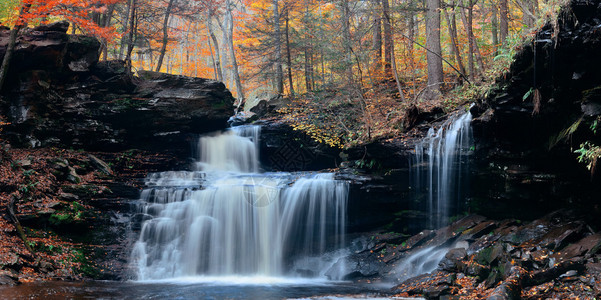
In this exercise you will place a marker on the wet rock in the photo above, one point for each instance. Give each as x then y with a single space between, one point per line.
68 197
588 245
541 257
453 260
569 275
72 176
25 164
9 259
509 289
80 56
7 280
480 230
490 255
475 269
594 268
356 267
510 134
61 26
419 239
431 285
434 292
100 165
45 266
260 109
241 118
546 275
493 278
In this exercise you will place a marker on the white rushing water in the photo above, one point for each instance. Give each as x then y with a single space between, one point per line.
439 163
226 219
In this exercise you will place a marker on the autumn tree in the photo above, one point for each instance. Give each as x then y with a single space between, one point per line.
165 35
79 13
228 37
434 56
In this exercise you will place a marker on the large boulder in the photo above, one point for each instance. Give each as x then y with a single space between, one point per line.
58 94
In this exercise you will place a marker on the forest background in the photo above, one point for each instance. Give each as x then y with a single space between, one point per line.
349 70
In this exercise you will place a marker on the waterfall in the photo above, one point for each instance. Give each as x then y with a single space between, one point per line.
440 163
227 219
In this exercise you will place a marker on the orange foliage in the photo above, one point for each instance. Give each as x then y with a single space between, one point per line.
75 11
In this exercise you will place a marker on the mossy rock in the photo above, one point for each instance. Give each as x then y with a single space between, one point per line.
490 255
85 190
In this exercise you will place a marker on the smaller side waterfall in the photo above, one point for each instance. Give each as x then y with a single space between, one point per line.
440 165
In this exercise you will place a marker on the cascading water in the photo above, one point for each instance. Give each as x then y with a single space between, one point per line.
440 163
226 219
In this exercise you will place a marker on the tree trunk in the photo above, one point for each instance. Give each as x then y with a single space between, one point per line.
377 38
528 12
165 35
396 79
452 28
503 21
213 60
125 29
229 28
410 48
130 36
216 45
308 85
474 49
434 56
279 72
411 32
288 57
308 53
106 23
494 26
10 49
388 39
470 37
346 36
12 41
13 217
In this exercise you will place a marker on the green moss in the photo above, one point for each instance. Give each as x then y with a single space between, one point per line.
219 105
593 94
484 256
86 190
74 213
86 267
42 247
128 103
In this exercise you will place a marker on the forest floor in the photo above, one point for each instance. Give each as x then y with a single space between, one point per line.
345 119
51 198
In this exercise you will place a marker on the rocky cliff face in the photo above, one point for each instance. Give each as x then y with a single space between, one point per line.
525 152
58 94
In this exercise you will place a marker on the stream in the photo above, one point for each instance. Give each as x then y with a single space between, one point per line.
227 230
193 289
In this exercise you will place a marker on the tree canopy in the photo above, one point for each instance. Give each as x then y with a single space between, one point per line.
356 65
